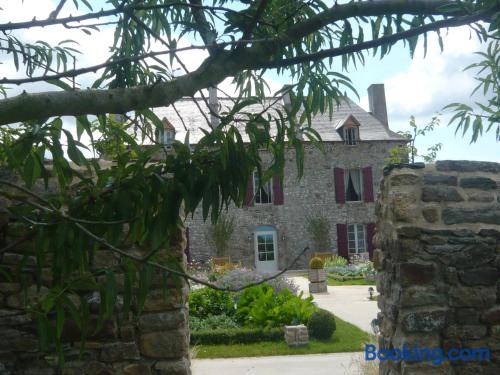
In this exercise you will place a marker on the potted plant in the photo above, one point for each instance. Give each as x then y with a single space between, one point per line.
318 229
317 276
218 236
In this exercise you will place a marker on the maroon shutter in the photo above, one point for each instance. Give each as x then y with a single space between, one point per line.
338 174
278 196
249 192
368 184
370 231
342 240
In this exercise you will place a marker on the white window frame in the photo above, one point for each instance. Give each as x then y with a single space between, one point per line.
356 229
258 190
351 135
166 137
346 183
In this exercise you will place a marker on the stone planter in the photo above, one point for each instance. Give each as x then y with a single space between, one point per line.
319 287
317 281
316 276
296 335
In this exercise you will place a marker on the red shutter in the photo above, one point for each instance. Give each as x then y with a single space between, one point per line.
368 184
278 196
370 231
338 174
342 240
249 192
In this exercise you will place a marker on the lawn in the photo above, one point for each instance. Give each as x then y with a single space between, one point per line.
333 282
347 338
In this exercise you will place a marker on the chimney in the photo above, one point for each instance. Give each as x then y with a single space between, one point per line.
376 99
287 102
213 102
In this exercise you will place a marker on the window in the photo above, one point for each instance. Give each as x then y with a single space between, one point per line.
356 238
350 135
265 246
352 185
166 137
263 194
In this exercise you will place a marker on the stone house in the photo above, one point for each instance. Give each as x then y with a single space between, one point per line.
338 186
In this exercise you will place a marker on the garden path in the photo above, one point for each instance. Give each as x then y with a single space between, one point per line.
349 303
317 364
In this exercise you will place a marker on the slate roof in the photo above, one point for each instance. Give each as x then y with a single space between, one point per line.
370 129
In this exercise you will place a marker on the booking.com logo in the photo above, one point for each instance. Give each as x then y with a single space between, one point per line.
435 355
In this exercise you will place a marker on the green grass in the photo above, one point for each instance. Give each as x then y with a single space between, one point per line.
346 338
333 282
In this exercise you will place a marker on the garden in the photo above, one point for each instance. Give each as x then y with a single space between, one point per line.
339 272
251 322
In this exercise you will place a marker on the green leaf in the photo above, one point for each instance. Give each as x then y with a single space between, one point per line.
60 316
32 170
111 292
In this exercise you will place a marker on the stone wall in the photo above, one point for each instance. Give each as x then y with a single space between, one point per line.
438 257
154 343
312 196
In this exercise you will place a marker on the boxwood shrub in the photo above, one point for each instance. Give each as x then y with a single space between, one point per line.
236 336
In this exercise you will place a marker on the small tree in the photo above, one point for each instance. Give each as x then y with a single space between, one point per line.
319 232
220 233
409 151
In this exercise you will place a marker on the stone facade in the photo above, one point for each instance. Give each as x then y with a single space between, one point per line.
156 342
438 257
312 196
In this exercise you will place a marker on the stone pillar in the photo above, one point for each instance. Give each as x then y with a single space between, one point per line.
438 257
155 343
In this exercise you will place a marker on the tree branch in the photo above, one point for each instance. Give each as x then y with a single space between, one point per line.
208 35
56 11
183 274
390 39
211 72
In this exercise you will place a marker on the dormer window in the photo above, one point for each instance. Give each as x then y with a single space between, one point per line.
166 136
348 129
350 136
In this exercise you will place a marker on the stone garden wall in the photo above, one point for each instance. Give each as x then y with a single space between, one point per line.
438 257
154 343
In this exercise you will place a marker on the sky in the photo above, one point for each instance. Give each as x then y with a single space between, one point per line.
420 87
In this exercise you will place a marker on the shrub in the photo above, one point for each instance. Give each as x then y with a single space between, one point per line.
336 261
242 276
219 234
316 263
260 306
321 324
236 336
222 321
318 229
204 302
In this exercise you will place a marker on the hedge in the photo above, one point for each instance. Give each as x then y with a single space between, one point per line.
236 336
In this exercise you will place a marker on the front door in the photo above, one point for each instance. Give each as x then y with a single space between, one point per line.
266 251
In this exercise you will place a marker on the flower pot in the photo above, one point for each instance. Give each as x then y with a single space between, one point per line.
317 275
319 287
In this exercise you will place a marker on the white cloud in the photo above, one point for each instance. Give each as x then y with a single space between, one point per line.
432 82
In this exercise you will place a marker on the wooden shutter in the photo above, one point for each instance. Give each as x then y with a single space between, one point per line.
368 184
342 240
338 174
278 196
370 232
248 201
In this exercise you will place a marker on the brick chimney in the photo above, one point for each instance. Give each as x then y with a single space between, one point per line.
376 99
